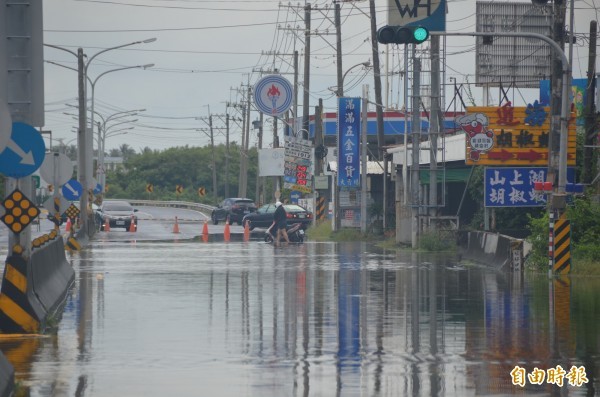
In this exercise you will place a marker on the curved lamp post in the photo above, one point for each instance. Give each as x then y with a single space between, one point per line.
85 142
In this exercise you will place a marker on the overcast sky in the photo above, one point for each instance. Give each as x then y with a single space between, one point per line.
206 51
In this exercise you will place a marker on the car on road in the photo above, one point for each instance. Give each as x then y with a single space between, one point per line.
116 213
233 208
263 217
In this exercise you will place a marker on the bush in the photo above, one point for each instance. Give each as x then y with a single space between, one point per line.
437 241
585 234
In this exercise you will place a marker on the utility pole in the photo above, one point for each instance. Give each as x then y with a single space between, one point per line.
416 139
558 35
590 114
306 90
435 126
214 164
244 191
379 108
82 137
338 49
363 160
258 180
226 153
295 104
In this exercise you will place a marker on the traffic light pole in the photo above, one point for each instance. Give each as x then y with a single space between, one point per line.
564 114
558 198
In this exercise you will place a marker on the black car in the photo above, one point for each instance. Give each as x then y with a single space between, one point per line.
117 214
233 208
263 217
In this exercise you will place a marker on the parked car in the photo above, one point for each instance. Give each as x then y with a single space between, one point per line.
233 208
117 213
263 217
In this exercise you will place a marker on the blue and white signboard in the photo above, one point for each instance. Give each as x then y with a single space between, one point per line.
273 95
348 142
72 190
24 151
513 187
430 14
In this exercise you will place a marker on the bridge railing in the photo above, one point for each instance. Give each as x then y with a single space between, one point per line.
204 208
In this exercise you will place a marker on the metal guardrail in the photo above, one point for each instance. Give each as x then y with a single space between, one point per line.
204 208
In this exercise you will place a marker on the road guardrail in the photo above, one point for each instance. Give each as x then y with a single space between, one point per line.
204 208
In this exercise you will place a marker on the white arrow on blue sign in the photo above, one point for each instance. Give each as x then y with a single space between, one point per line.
72 190
24 151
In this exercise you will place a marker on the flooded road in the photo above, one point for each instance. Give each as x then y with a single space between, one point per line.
318 319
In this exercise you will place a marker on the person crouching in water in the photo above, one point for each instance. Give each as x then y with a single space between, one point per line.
280 221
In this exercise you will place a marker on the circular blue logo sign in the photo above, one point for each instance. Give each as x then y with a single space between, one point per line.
273 95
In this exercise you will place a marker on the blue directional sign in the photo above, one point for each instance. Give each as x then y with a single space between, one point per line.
98 188
72 190
24 152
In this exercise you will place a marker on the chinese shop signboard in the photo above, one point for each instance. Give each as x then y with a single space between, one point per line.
512 136
297 163
514 186
348 142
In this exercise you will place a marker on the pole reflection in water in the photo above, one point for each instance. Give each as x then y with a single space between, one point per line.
317 319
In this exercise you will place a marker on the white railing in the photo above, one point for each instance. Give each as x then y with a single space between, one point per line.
204 208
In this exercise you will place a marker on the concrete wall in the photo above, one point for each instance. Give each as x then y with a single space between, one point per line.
499 251
7 377
34 288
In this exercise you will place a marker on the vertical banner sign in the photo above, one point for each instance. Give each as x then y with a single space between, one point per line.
348 142
297 163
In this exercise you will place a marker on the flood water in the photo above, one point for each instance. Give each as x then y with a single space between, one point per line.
317 319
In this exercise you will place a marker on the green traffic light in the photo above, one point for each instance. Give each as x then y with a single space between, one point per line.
420 34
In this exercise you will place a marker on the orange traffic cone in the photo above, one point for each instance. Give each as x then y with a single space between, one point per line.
68 226
226 232
176 226
132 225
247 231
106 225
205 232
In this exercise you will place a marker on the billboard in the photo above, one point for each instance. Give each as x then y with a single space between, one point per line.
519 61
507 135
430 14
513 186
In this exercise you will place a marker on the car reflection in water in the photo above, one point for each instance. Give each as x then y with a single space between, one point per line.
263 217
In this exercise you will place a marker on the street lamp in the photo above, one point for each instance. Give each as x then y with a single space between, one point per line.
340 89
89 147
85 142
102 134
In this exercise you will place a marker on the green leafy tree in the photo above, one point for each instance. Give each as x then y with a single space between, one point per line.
187 166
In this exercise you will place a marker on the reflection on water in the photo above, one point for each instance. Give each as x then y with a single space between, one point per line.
316 319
